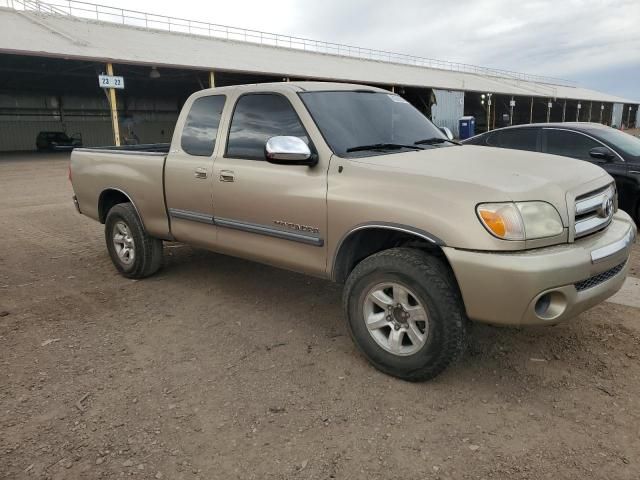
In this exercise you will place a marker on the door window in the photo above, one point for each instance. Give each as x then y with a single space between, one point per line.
201 127
258 117
570 144
519 139
492 139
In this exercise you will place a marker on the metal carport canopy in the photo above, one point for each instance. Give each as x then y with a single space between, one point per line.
33 33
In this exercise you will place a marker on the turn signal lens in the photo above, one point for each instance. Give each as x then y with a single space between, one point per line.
503 220
493 222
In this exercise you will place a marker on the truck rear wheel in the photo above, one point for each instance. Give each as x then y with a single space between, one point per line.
405 313
133 252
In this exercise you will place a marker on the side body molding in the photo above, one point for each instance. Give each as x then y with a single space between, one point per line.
259 229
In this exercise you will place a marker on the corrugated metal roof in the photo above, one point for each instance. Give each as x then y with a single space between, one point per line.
32 33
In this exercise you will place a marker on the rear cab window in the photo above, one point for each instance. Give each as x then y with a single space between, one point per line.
201 126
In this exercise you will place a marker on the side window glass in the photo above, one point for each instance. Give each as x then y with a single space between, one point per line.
201 127
492 139
519 139
570 144
258 117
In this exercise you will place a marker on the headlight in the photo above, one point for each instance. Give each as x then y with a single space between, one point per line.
520 220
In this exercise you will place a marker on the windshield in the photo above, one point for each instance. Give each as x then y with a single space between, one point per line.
351 121
624 142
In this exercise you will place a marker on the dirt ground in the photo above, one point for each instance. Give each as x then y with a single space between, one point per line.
222 368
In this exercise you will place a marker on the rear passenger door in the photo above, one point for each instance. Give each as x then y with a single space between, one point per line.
568 144
577 145
266 212
188 172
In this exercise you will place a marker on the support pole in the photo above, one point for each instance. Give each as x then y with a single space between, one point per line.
564 110
493 125
113 104
578 111
548 110
590 108
601 111
61 110
531 112
393 89
212 79
629 117
488 113
511 111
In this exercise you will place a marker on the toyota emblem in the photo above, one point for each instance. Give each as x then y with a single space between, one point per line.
606 209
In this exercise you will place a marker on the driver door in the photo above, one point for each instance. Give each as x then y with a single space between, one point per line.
266 212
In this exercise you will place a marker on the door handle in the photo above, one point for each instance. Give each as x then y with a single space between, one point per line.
200 172
227 176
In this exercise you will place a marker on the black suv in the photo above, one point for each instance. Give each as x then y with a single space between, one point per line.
615 151
57 141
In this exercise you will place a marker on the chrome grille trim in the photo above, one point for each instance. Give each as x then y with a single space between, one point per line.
592 203
589 214
590 225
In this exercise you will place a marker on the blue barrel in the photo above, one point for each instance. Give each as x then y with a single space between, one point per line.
467 127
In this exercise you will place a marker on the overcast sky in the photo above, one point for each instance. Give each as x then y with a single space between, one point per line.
595 42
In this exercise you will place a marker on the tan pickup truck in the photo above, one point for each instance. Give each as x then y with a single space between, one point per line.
351 183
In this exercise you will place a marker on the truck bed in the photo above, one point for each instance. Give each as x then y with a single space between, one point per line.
144 148
132 171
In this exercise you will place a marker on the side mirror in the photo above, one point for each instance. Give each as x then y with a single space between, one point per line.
447 132
288 151
601 153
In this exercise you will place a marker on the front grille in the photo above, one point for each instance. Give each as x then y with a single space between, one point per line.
599 278
594 211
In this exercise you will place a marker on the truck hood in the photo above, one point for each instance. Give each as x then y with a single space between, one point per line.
463 176
518 174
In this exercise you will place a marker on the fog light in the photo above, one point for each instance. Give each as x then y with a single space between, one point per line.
550 305
542 305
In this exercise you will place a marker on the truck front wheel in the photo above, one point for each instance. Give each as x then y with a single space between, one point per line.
405 313
133 252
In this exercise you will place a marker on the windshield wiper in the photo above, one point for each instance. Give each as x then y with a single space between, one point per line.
382 146
435 141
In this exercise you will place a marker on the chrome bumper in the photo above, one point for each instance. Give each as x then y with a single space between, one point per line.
608 251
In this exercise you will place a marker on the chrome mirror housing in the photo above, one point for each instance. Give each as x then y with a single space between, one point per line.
287 150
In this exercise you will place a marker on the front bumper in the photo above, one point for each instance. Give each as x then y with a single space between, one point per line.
546 285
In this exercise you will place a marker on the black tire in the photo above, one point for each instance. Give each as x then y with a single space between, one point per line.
147 258
434 286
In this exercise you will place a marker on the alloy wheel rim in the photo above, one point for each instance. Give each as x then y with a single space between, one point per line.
396 319
123 243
